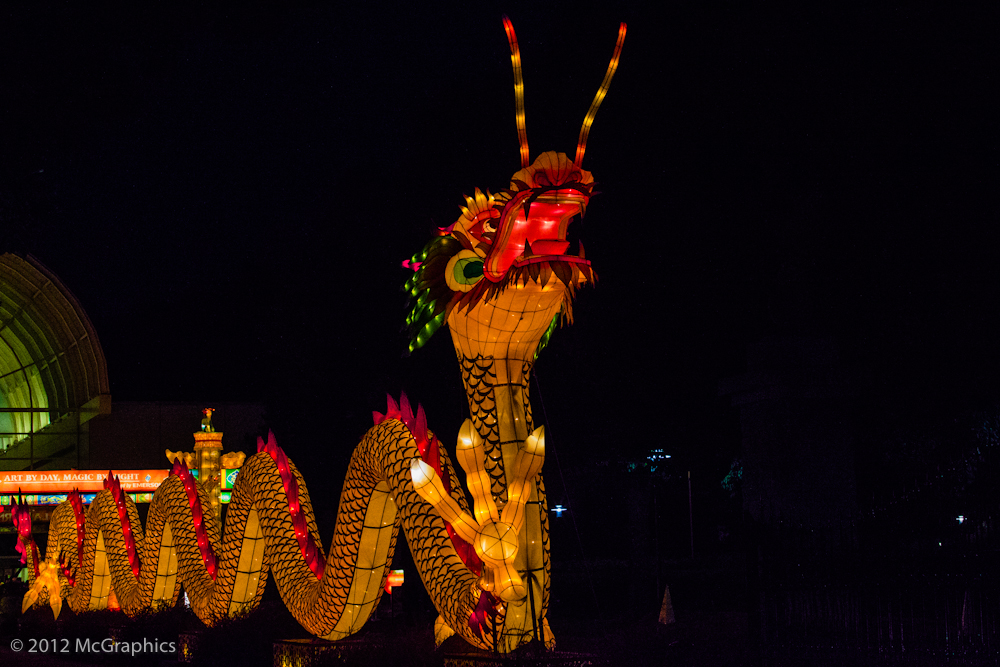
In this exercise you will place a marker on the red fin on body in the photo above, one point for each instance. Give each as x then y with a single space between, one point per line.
485 608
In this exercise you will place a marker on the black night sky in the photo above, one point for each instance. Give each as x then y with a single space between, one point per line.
229 192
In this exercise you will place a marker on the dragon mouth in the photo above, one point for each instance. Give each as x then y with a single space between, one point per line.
533 230
537 259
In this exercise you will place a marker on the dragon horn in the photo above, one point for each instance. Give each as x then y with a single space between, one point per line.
581 145
515 60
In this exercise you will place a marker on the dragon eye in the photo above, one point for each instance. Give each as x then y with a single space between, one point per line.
472 270
468 270
464 270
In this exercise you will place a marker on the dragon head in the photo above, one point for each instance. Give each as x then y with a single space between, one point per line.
505 265
501 274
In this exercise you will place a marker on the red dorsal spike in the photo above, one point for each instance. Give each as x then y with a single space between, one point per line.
421 424
391 408
271 442
432 454
406 412
260 444
404 404
377 417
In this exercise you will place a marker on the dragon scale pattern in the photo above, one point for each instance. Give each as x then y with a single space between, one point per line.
259 540
480 379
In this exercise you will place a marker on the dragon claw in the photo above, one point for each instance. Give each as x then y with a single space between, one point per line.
493 534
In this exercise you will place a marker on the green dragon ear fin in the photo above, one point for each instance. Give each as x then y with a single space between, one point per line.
548 334
426 332
427 290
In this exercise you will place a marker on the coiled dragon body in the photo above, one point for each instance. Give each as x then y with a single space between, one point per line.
501 278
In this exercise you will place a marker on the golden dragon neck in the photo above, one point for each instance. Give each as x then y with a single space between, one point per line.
497 390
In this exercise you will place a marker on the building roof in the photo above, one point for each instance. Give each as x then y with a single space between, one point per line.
52 367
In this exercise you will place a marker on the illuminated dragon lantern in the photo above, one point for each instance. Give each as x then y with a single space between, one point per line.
501 277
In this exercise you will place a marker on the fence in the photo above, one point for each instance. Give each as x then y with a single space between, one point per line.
855 590
928 615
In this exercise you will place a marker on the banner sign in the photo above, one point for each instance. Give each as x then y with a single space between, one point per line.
41 515
56 498
64 481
